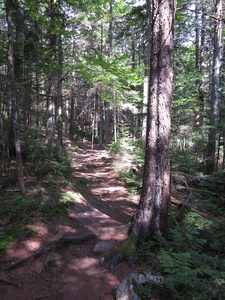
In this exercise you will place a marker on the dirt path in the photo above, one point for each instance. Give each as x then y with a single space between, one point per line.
103 209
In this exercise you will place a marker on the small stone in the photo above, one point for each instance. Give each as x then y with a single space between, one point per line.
103 246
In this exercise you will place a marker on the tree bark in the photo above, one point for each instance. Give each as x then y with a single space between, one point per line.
60 99
72 114
214 114
151 217
15 117
146 79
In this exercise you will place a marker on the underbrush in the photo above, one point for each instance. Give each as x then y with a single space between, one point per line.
9 235
128 160
191 260
48 181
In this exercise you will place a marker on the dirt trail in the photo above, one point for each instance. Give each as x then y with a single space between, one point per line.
103 209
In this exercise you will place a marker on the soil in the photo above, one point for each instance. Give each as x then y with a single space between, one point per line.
72 272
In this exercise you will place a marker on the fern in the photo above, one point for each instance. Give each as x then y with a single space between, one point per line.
174 262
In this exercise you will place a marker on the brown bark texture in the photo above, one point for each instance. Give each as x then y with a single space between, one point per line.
151 217
12 93
215 97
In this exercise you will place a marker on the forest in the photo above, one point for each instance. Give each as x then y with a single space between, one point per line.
118 107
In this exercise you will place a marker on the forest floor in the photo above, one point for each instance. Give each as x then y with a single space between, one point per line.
103 208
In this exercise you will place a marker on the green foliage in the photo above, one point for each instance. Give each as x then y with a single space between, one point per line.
35 150
9 235
51 209
133 181
185 161
6 239
128 247
128 159
214 184
53 168
116 81
191 260
51 212
19 206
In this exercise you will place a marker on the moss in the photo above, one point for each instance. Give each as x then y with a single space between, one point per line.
7 238
128 248
60 209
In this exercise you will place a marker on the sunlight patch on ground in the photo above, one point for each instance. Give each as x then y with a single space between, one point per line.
83 263
112 189
32 245
95 214
76 196
66 229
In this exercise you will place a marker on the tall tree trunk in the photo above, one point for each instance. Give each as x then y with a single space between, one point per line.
94 126
19 49
52 105
110 31
107 123
72 113
101 122
15 117
151 217
60 99
214 114
144 109
50 124
107 127
146 79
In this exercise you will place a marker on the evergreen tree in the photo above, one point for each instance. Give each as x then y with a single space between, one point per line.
151 217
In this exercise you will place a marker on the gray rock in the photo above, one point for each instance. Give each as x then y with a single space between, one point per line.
125 289
103 246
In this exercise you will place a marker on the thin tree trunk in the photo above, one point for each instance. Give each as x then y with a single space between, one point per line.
101 122
214 114
107 123
115 125
18 54
50 124
60 100
93 126
72 114
15 117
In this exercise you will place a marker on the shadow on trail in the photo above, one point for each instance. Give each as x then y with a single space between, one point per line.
110 208
103 190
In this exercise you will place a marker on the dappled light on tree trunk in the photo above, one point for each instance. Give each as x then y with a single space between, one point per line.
151 217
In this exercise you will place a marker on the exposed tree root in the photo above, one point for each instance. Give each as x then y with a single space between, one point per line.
43 297
15 283
47 262
124 253
54 245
